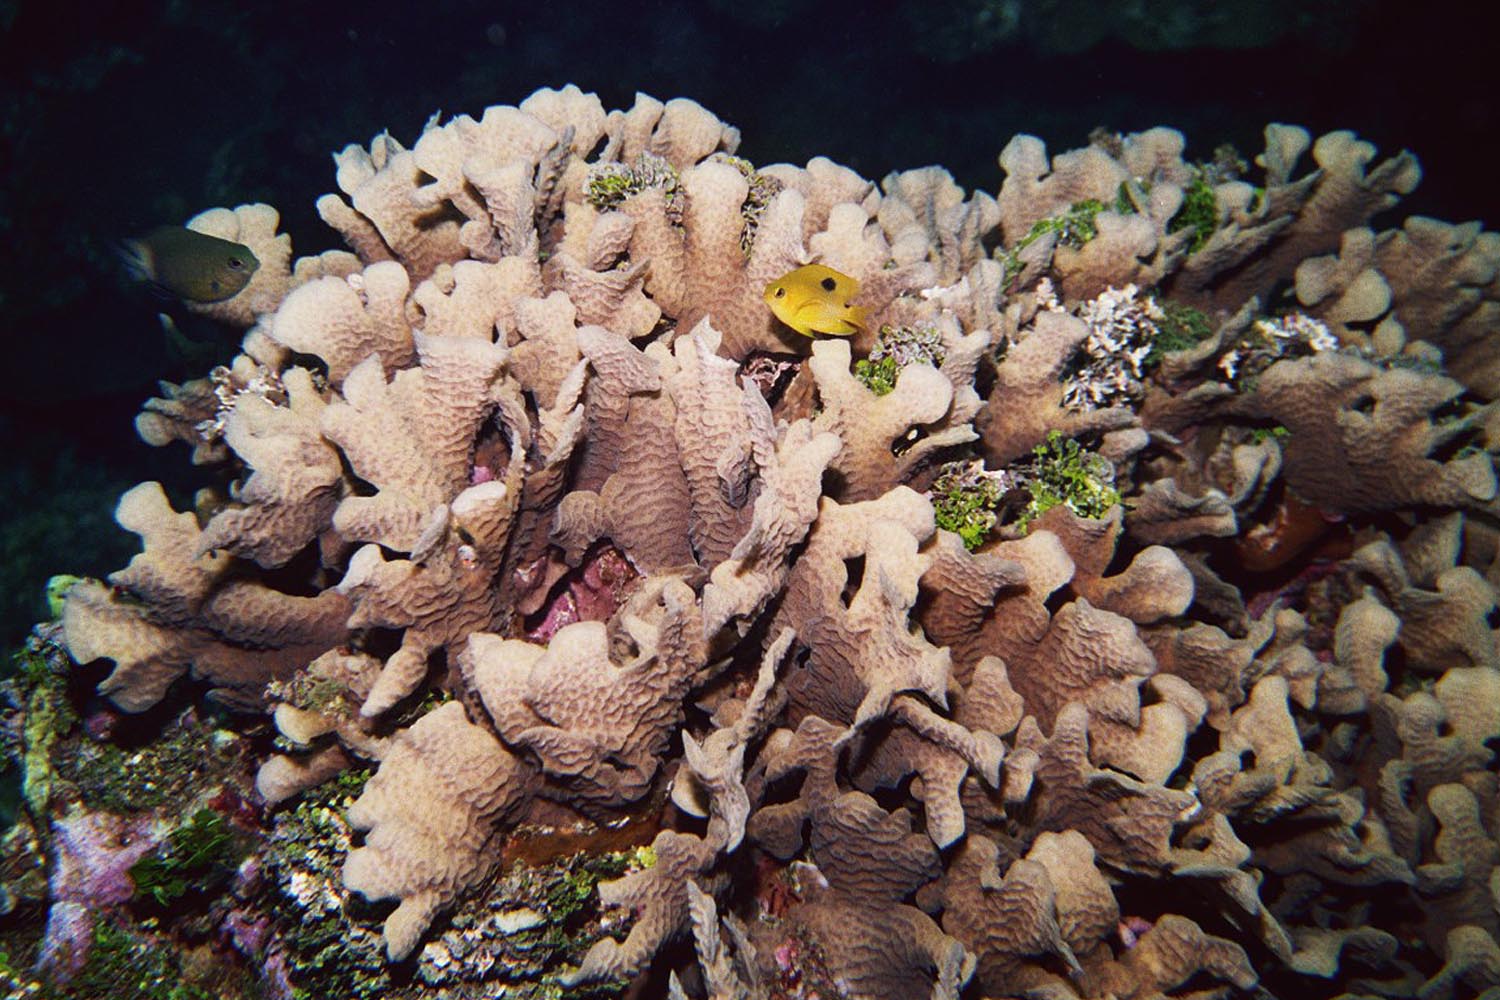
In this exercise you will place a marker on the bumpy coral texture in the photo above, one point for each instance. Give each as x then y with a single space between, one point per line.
563 527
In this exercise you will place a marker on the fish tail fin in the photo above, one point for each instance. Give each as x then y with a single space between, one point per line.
137 260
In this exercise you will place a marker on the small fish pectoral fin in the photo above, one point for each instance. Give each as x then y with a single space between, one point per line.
823 318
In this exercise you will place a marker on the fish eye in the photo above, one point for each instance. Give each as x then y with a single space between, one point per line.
781 293
235 263
829 284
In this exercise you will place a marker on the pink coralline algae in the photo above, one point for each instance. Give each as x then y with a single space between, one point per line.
94 854
589 593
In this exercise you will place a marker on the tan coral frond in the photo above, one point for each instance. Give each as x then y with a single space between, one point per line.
432 811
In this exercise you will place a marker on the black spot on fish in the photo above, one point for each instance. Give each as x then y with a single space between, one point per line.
829 284
781 293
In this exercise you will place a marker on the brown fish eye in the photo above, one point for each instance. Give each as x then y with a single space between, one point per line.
781 293
829 284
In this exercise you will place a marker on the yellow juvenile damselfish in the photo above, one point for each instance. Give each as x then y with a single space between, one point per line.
816 299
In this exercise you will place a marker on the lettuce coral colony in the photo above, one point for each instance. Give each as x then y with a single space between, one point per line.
922 659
